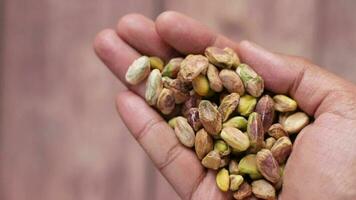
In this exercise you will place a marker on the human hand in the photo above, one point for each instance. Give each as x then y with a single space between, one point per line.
323 162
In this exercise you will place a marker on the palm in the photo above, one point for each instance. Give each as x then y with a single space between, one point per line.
173 34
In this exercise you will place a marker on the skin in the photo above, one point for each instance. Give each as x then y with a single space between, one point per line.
323 162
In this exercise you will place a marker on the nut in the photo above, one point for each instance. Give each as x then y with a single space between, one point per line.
191 102
248 165
282 103
223 180
138 70
235 182
154 87
281 149
269 142
233 167
264 190
184 132
214 79
296 122
201 85
224 161
172 122
172 68
203 143
243 192
268 165
210 117
156 63
219 57
221 147
253 82
211 160
235 138
166 102
236 122
231 81
277 131
192 66
228 105
193 119
283 116
265 107
235 58
255 132
247 105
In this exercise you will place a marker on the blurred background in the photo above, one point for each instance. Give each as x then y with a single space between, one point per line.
60 136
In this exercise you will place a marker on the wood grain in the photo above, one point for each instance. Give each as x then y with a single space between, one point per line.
60 135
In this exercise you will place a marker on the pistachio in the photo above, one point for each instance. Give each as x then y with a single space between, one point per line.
282 103
192 66
243 192
212 160
223 180
248 165
264 190
184 132
235 58
277 131
193 119
233 167
235 182
255 132
265 107
232 81
235 138
166 102
172 122
253 82
203 144
236 122
247 105
201 85
296 122
214 79
154 87
283 116
269 142
219 57
281 149
228 105
172 68
221 147
224 161
138 70
156 63
210 117
268 165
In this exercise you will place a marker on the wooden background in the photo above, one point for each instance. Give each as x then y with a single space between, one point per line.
60 135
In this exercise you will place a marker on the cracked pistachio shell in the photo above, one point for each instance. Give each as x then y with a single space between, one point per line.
228 105
154 87
138 70
192 66
231 81
210 117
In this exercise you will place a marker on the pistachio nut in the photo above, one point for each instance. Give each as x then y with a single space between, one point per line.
296 122
211 160
235 58
172 68
156 63
201 85
235 182
193 119
192 66
253 82
247 105
224 161
269 142
219 57
166 102
221 147
267 165
138 70
192 101
243 192
228 105
223 180
233 167
248 165
282 149
255 132
172 122
231 81
214 79
203 144
210 117
277 131
262 189
184 132
154 87
236 122
235 138
265 107
282 103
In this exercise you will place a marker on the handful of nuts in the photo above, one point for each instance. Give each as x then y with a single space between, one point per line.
218 106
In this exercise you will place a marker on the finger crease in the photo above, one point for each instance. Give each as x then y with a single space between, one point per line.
297 81
172 154
197 183
146 128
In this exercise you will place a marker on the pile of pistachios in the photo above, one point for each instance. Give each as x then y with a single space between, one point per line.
217 106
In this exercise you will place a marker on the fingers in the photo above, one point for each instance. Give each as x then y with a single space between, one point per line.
187 35
177 163
307 83
140 33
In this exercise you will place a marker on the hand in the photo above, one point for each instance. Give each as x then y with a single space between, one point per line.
323 162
